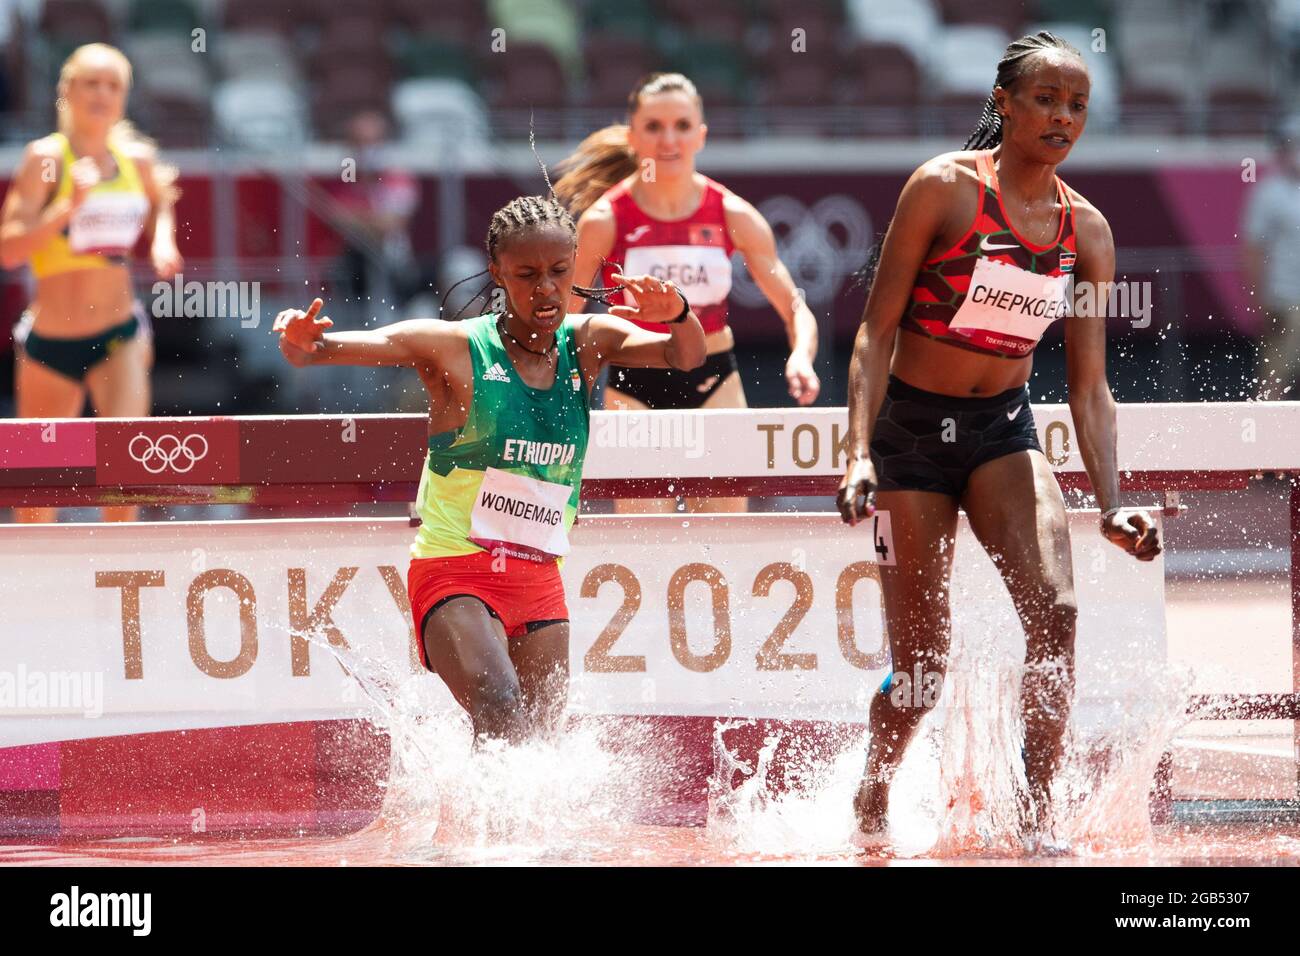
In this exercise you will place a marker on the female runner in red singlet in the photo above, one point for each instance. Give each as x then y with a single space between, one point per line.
974 267
645 210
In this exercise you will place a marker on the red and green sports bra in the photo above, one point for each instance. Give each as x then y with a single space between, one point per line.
994 291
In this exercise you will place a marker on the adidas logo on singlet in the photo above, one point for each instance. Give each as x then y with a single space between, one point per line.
496 373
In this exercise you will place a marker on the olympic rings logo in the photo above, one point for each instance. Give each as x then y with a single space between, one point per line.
168 451
819 244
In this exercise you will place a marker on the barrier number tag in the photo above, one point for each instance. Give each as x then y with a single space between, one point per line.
883 538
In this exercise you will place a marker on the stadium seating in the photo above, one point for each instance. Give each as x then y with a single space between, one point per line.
430 55
530 78
260 15
254 54
911 24
172 16
1005 15
263 113
172 86
791 82
546 23
716 68
452 21
432 110
822 26
884 81
963 70
872 67
1237 80
347 89
615 62
78 21
633 18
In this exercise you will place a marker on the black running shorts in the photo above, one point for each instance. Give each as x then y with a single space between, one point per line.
930 442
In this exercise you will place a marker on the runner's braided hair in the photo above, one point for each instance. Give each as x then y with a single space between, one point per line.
524 215
1012 66
987 134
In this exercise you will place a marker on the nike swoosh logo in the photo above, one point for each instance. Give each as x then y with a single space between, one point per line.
986 246
1013 413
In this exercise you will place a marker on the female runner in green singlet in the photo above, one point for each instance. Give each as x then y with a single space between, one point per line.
509 400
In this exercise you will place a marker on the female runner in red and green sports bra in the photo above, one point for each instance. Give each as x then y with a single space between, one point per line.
975 266
508 423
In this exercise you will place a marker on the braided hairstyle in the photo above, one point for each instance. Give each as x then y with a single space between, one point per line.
522 216
987 134
1012 66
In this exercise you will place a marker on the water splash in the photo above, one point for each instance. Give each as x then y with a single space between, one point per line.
802 808
776 789
957 791
980 776
447 800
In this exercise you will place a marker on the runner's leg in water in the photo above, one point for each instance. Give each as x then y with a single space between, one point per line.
541 659
915 592
1017 512
511 689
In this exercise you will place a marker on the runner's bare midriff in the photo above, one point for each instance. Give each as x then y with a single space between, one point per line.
949 370
82 303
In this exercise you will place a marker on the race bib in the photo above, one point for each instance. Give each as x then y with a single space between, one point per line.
521 514
1007 300
703 273
107 223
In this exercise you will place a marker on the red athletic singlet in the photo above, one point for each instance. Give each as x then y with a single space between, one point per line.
694 252
995 292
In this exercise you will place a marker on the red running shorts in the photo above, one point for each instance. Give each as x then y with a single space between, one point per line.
517 592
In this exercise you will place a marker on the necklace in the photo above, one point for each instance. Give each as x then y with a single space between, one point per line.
543 353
